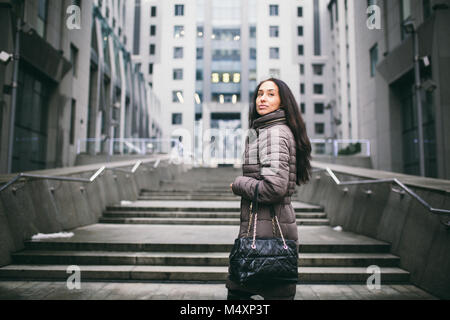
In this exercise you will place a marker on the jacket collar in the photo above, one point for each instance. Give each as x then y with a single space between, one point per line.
276 117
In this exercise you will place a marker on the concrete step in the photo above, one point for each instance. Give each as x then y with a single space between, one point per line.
189 197
191 273
181 193
200 221
140 246
209 206
192 259
180 214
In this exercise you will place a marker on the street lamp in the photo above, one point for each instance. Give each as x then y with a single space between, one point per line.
409 28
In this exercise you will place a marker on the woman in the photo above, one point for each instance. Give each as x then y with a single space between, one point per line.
277 159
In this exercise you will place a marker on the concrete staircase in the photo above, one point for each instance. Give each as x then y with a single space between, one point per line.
179 234
196 212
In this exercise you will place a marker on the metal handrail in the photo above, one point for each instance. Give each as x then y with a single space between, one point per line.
405 188
133 170
70 179
36 176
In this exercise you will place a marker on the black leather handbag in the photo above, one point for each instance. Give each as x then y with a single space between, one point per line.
263 260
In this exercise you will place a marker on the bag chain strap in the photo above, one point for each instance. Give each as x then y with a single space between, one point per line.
256 218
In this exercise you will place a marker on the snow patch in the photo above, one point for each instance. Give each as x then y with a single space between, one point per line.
41 236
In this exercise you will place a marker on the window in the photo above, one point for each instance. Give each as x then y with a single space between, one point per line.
153 11
300 31
178 31
273 31
330 12
317 40
42 18
199 53
199 75
299 11
152 49
318 88
273 10
320 148
426 4
319 128
73 117
152 30
177 118
178 53
253 53
177 74
177 96
300 50
373 60
302 88
74 59
179 10
274 53
318 108
150 68
302 69
317 69
274 73
137 28
302 107
405 14
252 32
199 32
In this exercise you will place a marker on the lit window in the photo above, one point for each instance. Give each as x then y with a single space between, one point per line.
178 31
236 77
226 77
215 77
177 96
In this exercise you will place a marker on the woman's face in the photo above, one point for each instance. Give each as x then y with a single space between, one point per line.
268 98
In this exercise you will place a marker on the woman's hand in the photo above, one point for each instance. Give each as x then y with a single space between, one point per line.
231 187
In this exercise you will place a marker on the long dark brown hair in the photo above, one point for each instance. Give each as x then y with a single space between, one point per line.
295 123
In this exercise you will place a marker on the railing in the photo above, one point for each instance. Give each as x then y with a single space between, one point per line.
83 180
340 147
401 192
117 146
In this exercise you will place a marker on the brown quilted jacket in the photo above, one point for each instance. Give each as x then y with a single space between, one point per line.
269 160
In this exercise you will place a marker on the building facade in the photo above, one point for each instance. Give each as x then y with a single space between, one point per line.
77 88
205 58
385 103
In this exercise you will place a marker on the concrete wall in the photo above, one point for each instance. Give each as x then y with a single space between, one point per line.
50 206
415 234
352 161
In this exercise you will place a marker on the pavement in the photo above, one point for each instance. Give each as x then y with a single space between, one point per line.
42 290
199 234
